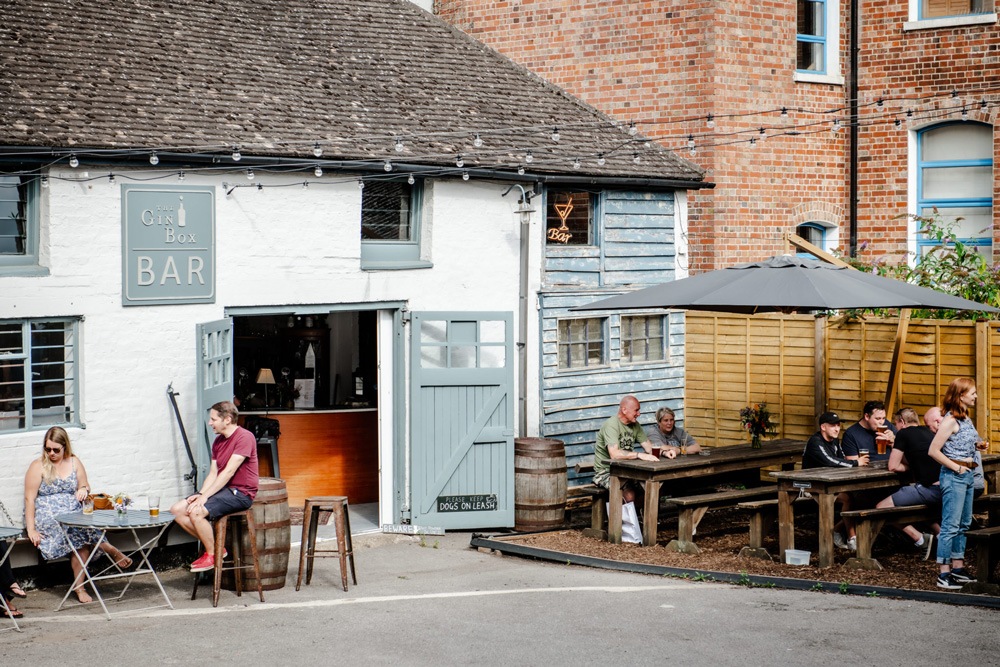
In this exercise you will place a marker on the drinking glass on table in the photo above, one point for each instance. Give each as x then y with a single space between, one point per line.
863 452
154 505
880 441
88 505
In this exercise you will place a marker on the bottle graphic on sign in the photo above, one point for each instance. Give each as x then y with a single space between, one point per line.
181 214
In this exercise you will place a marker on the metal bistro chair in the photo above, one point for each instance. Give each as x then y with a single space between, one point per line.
310 522
237 563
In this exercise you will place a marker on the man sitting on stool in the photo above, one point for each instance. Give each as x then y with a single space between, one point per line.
230 486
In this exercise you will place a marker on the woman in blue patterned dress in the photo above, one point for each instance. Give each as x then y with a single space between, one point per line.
57 483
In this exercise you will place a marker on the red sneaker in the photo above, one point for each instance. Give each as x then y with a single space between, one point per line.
206 562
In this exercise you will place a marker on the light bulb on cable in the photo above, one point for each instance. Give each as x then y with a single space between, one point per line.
753 142
836 125
317 150
465 175
459 162
111 179
555 134
784 112
478 141
528 157
601 160
965 114
318 171
74 161
763 134
236 154
387 166
249 174
576 163
410 179
520 170
635 158
305 185
45 181
260 187
399 145
710 120
180 176
154 159
690 141
632 129
361 184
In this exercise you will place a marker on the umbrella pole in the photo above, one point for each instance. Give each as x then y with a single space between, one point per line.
898 349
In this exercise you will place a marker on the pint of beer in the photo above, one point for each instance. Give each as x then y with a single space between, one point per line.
880 442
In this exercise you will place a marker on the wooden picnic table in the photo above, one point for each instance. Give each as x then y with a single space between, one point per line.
825 483
718 461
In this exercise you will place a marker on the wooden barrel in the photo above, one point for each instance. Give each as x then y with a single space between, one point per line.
274 537
539 484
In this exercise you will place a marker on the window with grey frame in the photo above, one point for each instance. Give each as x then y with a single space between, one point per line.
18 222
643 338
581 343
39 373
390 223
932 9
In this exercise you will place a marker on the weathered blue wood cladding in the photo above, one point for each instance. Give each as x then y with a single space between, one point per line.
635 247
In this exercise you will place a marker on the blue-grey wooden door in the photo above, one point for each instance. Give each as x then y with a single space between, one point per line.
462 419
215 383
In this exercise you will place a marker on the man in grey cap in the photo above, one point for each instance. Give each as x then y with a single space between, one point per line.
824 451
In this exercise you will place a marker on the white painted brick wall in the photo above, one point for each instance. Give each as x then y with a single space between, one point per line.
275 246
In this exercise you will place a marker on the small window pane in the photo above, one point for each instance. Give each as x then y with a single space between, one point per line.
957 141
492 356
642 339
568 218
957 182
810 18
492 331
433 356
433 331
38 373
975 221
581 343
462 356
385 211
13 216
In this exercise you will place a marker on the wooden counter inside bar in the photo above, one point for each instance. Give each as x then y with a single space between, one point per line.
325 453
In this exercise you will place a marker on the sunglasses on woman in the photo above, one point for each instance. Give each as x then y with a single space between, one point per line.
53 450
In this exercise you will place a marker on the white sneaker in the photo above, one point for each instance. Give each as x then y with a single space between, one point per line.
838 541
852 544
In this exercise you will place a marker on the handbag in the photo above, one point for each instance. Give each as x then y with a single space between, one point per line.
631 532
102 501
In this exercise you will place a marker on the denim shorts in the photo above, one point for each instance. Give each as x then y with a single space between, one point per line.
227 501
917 494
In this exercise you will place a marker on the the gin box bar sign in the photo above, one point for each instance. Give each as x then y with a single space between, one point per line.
168 244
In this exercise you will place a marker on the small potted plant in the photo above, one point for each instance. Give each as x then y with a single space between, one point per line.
756 419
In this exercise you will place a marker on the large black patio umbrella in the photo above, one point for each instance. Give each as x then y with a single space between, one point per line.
785 284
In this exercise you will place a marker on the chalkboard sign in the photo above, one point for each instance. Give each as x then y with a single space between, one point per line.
479 503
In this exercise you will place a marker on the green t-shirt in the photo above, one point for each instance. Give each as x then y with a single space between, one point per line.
624 436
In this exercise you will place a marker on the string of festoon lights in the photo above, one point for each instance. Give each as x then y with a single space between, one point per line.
464 152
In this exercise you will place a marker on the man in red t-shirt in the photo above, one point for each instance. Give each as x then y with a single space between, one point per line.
231 484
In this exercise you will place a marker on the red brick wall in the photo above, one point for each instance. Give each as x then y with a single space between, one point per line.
665 64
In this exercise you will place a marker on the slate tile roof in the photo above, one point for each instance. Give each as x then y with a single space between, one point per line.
276 78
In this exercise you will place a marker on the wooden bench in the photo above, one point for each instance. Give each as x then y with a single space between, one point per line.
763 516
869 523
691 509
589 496
987 541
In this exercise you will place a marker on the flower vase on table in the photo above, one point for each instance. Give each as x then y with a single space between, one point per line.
756 420
121 502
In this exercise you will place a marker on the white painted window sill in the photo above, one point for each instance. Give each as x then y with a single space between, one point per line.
950 22
806 77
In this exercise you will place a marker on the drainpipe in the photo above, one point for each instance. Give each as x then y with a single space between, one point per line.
853 102
524 211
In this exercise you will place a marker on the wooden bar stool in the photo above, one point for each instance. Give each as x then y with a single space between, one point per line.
237 563
342 523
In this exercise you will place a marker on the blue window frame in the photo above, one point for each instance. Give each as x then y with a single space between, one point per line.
811 37
39 373
815 233
955 178
391 211
19 224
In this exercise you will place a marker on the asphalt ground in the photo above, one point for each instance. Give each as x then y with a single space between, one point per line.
434 600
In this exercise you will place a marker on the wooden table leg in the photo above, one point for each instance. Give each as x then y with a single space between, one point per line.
615 510
826 502
786 521
651 512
